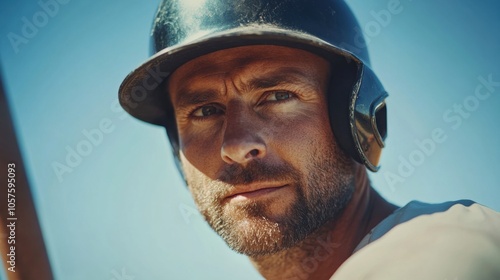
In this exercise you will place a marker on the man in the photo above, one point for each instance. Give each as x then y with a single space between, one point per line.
274 115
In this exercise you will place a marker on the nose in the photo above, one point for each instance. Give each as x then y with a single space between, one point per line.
242 142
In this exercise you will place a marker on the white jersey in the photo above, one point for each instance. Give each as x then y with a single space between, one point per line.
449 241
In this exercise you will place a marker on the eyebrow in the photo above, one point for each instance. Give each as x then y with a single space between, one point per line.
189 98
283 75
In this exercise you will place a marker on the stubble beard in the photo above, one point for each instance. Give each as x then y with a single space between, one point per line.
321 194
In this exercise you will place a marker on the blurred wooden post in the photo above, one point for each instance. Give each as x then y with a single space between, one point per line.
31 260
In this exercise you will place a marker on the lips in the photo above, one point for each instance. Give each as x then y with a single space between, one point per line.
253 191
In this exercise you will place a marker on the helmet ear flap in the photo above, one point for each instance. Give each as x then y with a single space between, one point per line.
358 113
342 82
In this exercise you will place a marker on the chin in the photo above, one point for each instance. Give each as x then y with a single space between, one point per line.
256 237
259 229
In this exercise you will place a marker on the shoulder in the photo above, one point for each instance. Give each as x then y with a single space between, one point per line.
452 240
408 212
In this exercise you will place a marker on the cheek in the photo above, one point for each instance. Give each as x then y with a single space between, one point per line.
303 131
196 181
201 151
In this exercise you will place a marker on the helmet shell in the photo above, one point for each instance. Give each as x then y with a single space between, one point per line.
184 30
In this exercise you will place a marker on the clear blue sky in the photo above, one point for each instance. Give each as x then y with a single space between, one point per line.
122 209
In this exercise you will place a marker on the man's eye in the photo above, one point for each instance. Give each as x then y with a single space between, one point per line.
278 96
207 110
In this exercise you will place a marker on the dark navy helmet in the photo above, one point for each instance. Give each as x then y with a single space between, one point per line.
186 29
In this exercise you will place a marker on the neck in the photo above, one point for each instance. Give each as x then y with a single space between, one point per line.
321 254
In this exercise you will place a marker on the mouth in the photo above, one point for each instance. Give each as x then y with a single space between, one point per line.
250 192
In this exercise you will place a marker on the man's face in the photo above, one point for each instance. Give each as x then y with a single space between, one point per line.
256 145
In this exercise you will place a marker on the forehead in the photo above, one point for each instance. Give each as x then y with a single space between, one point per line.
247 61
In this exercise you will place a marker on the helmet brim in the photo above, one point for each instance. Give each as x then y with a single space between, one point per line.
143 94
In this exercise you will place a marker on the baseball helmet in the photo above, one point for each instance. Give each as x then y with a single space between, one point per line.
186 29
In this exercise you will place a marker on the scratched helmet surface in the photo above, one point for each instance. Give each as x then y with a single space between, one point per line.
186 29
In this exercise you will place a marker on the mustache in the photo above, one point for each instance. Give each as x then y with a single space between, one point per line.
257 171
